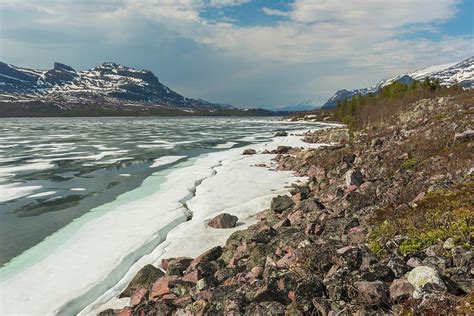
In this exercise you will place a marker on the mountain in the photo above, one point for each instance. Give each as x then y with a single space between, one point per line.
307 105
107 89
461 73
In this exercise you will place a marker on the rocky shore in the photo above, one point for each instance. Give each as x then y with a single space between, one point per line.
384 225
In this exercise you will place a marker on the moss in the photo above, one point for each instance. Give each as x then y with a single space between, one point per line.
438 216
408 164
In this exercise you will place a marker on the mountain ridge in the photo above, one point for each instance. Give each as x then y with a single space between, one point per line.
106 89
461 73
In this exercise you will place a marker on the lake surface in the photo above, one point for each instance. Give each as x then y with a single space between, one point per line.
54 170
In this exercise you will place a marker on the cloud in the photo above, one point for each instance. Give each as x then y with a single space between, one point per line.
274 12
313 48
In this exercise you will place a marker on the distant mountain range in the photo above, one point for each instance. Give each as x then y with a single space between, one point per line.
307 105
107 89
461 73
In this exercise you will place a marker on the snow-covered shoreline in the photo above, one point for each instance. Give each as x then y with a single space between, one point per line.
94 258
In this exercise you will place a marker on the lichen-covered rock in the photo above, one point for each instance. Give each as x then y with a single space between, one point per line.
422 275
281 203
143 279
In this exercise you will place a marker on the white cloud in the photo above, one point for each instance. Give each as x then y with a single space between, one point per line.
274 12
321 45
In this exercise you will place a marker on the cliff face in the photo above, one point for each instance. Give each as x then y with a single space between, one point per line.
383 225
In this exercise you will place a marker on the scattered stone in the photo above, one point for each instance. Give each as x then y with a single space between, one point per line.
223 220
249 151
401 290
413 262
281 203
354 177
376 142
369 293
449 244
283 149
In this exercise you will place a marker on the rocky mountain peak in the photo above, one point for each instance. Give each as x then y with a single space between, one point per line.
63 67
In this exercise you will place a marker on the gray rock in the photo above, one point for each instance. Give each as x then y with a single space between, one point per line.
464 136
249 151
422 275
449 244
369 293
281 134
281 203
400 290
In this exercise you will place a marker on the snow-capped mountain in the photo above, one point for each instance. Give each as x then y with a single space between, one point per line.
108 80
107 89
461 73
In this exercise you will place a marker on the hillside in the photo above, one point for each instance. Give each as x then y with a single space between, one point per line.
384 225
461 73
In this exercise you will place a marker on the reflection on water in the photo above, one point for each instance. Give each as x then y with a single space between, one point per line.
53 170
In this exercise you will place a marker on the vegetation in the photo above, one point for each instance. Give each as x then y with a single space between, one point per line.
437 216
379 108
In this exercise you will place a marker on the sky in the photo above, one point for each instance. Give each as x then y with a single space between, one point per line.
242 52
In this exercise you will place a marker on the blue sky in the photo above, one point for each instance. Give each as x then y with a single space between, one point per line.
242 52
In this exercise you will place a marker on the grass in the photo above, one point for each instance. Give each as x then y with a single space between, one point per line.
438 216
409 164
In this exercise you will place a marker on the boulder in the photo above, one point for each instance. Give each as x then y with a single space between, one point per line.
349 256
354 177
369 293
162 286
249 151
463 258
449 244
281 203
208 256
223 220
143 279
316 172
422 275
281 134
137 296
283 149
176 266
400 290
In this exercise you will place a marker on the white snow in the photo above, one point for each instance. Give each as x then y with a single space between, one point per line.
166 160
226 145
87 263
